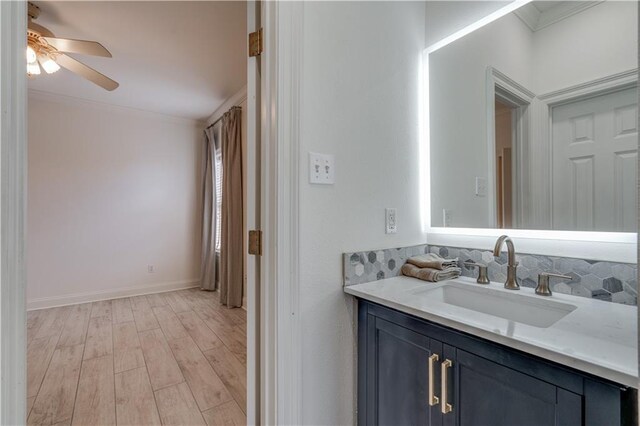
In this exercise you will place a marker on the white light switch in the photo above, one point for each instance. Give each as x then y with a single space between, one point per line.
481 187
391 223
321 168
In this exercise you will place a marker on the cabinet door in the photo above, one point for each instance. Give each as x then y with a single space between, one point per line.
398 376
490 394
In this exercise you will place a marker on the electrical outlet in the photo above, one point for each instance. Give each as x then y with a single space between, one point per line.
151 269
446 218
321 168
481 187
391 222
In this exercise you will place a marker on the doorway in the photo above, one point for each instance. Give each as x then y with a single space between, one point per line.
262 326
510 128
505 118
144 309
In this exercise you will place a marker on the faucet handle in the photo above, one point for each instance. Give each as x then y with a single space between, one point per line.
543 288
483 277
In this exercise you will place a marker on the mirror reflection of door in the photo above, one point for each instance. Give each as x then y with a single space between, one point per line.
595 145
505 117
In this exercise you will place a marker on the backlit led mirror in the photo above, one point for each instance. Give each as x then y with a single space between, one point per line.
534 122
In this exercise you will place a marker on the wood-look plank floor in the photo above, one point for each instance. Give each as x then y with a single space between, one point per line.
176 358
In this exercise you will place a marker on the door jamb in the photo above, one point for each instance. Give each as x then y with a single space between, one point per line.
280 316
253 222
516 94
13 190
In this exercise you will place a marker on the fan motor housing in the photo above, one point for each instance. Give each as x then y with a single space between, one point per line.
33 11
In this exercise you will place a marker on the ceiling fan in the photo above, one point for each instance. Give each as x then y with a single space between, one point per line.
48 51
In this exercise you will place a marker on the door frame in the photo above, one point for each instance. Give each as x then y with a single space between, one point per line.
280 335
279 341
252 268
518 96
13 189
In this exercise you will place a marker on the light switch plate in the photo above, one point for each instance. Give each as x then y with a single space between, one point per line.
321 168
391 221
446 218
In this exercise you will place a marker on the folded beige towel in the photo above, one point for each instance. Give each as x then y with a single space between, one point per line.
430 274
433 261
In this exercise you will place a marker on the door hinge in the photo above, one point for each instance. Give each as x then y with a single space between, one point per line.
255 242
255 43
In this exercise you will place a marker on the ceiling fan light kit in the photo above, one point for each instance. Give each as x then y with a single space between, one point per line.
50 52
48 64
33 69
39 51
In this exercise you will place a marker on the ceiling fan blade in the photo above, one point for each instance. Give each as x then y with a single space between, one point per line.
78 46
39 29
86 72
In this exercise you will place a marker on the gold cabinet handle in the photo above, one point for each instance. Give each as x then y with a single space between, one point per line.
445 407
433 400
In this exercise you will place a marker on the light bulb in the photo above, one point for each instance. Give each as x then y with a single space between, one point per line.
31 55
48 64
33 69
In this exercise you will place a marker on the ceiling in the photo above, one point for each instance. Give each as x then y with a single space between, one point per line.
177 58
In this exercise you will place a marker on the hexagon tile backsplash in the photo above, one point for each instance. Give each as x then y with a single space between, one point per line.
610 281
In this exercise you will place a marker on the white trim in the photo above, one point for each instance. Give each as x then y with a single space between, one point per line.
13 190
502 80
611 246
537 21
253 303
610 83
269 341
234 100
72 100
112 293
521 96
280 327
290 60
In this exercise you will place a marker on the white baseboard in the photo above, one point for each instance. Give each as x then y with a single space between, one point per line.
117 293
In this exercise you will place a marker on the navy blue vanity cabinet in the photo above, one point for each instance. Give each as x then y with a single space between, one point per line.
473 382
491 394
399 371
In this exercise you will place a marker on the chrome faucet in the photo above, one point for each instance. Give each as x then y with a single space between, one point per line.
512 265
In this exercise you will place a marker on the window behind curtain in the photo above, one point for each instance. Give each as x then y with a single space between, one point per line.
218 159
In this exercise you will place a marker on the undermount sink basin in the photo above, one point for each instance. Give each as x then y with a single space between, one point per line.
509 305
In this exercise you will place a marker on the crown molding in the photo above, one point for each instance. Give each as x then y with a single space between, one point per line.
234 100
615 81
72 100
536 20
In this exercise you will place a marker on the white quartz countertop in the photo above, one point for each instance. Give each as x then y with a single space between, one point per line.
597 337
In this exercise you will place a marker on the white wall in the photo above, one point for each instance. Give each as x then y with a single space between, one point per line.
359 102
598 42
111 190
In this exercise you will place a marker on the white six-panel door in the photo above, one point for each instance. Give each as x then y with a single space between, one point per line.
595 145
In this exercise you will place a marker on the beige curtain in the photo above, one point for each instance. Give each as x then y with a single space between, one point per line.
209 263
231 256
